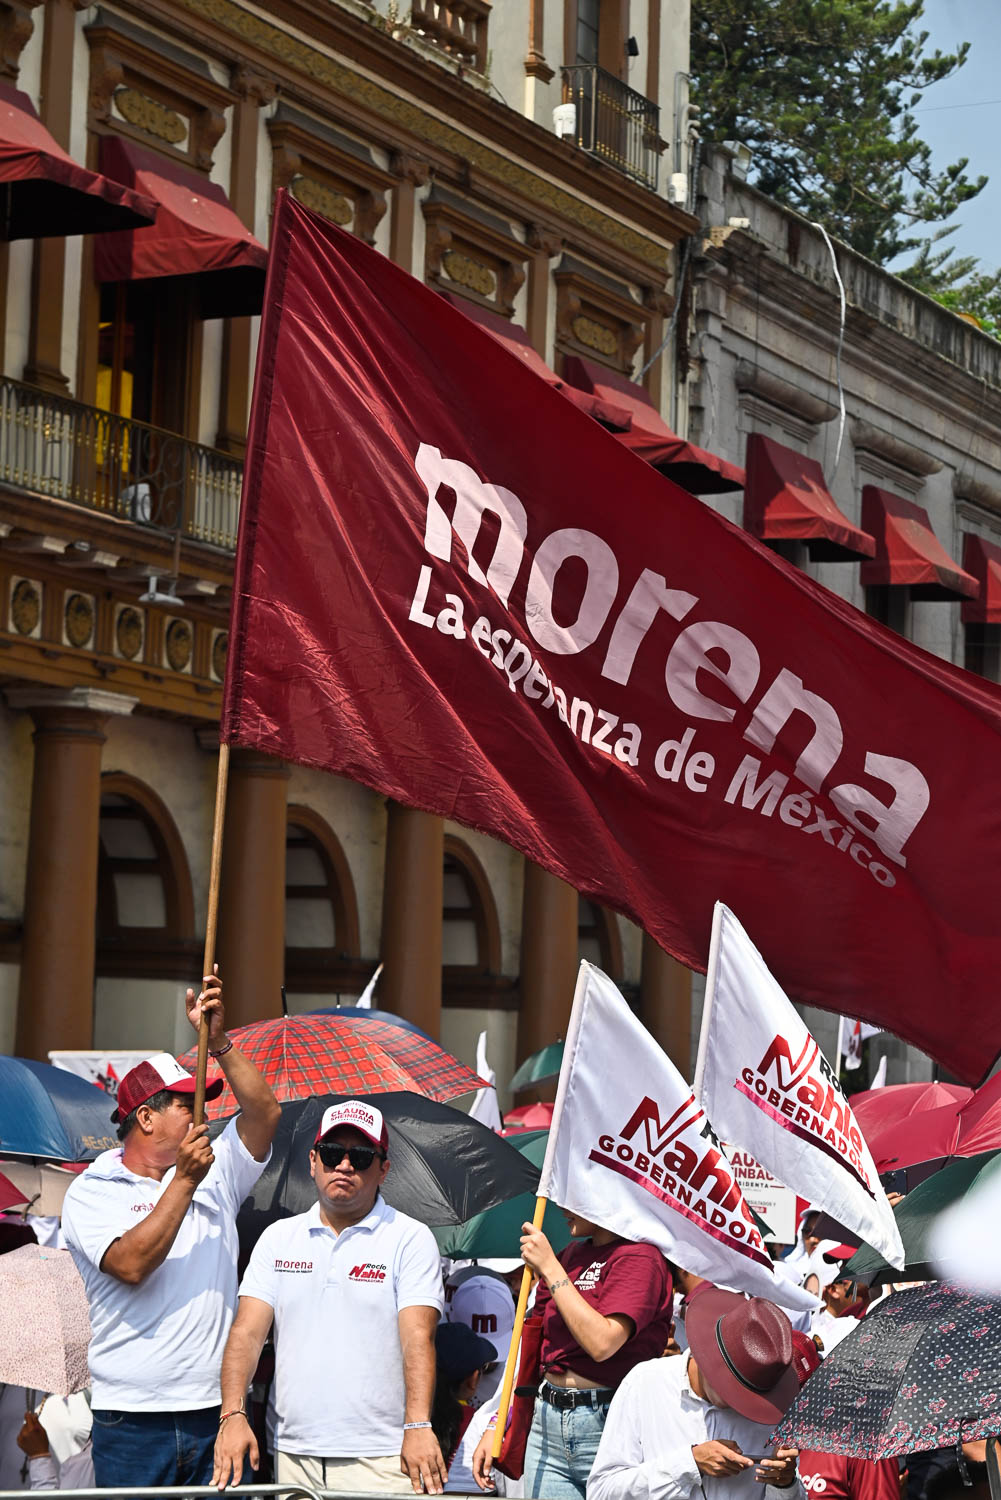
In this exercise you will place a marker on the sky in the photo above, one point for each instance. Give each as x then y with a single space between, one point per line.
962 116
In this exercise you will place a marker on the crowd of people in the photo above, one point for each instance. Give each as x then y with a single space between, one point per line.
348 1358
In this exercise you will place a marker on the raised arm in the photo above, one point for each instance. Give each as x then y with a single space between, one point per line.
147 1244
236 1440
259 1109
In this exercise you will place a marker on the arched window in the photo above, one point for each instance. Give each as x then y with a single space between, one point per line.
470 938
321 910
598 940
145 905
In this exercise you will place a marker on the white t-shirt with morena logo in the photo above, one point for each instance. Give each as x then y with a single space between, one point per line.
158 1346
339 1388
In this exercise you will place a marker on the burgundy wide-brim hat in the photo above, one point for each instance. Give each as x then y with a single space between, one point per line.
743 1346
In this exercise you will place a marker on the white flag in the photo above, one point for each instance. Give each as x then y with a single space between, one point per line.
630 1149
769 1088
364 1001
851 1035
879 1082
485 1107
106 1069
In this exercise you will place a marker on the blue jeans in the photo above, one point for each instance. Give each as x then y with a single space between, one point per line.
561 1450
154 1447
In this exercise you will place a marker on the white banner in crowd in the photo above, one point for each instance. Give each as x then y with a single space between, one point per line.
485 1107
630 1149
106 1069
770 1199
769 1089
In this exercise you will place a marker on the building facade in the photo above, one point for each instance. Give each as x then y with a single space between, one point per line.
127 371
889 410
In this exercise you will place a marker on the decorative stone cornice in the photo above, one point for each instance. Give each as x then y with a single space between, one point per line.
783 393
16 26
979 491
887 445
86 699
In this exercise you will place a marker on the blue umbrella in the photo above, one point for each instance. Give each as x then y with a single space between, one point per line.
361 1013
50 1113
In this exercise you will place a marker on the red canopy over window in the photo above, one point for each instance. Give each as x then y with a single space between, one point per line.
786 499
196 234
44 192
650 437
515 338
982 560
908 553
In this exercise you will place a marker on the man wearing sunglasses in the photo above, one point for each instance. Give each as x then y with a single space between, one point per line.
354 1291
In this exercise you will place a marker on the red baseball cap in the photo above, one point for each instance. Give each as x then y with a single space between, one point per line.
805 1356
364 1118
158 1072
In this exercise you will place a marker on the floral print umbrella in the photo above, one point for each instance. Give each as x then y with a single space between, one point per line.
44 1321
921 1371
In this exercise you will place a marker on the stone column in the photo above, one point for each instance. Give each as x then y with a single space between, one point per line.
549 960
250 946
44 363
56 994
253 90
412 172
411 917
544 244
666 1003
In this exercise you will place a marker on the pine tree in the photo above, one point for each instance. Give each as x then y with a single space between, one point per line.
822 93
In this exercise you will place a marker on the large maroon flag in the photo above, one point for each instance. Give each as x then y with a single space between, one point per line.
456 588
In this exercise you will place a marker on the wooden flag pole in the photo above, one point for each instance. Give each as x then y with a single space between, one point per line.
512 1353
211 923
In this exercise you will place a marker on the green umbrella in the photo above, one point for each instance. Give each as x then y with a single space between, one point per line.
915 1216
496 1233
542 1067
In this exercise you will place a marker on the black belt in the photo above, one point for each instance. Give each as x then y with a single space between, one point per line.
567 1400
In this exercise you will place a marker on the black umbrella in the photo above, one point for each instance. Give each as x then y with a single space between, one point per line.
921 1371
444 1167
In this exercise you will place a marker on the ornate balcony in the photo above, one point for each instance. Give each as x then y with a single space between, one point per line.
458 27
614 122
53 446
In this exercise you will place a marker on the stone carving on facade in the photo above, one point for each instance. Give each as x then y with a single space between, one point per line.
474 249
178 642
156 85
16 26
79 619
151 116
326 176
129 632
596 317
25 606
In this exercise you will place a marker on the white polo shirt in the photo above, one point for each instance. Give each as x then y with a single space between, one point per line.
158 1346
339 1387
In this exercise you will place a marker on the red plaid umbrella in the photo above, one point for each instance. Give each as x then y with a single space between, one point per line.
305 1055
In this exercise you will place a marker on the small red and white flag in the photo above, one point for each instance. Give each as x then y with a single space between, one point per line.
631 1150
851 1035
770 1089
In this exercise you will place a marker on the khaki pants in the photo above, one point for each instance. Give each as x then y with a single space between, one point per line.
357 1475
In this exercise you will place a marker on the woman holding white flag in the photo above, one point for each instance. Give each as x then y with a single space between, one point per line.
606 1306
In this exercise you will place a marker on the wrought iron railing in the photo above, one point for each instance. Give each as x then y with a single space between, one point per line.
458 27
614 122
62 448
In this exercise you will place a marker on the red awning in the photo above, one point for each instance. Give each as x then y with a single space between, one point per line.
196 234
786 499
515 338
650 437
908 553
44 192
982 560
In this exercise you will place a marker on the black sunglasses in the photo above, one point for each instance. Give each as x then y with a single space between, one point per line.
360 1157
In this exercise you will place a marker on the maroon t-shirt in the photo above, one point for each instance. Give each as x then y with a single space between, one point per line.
619 1277
830 1476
